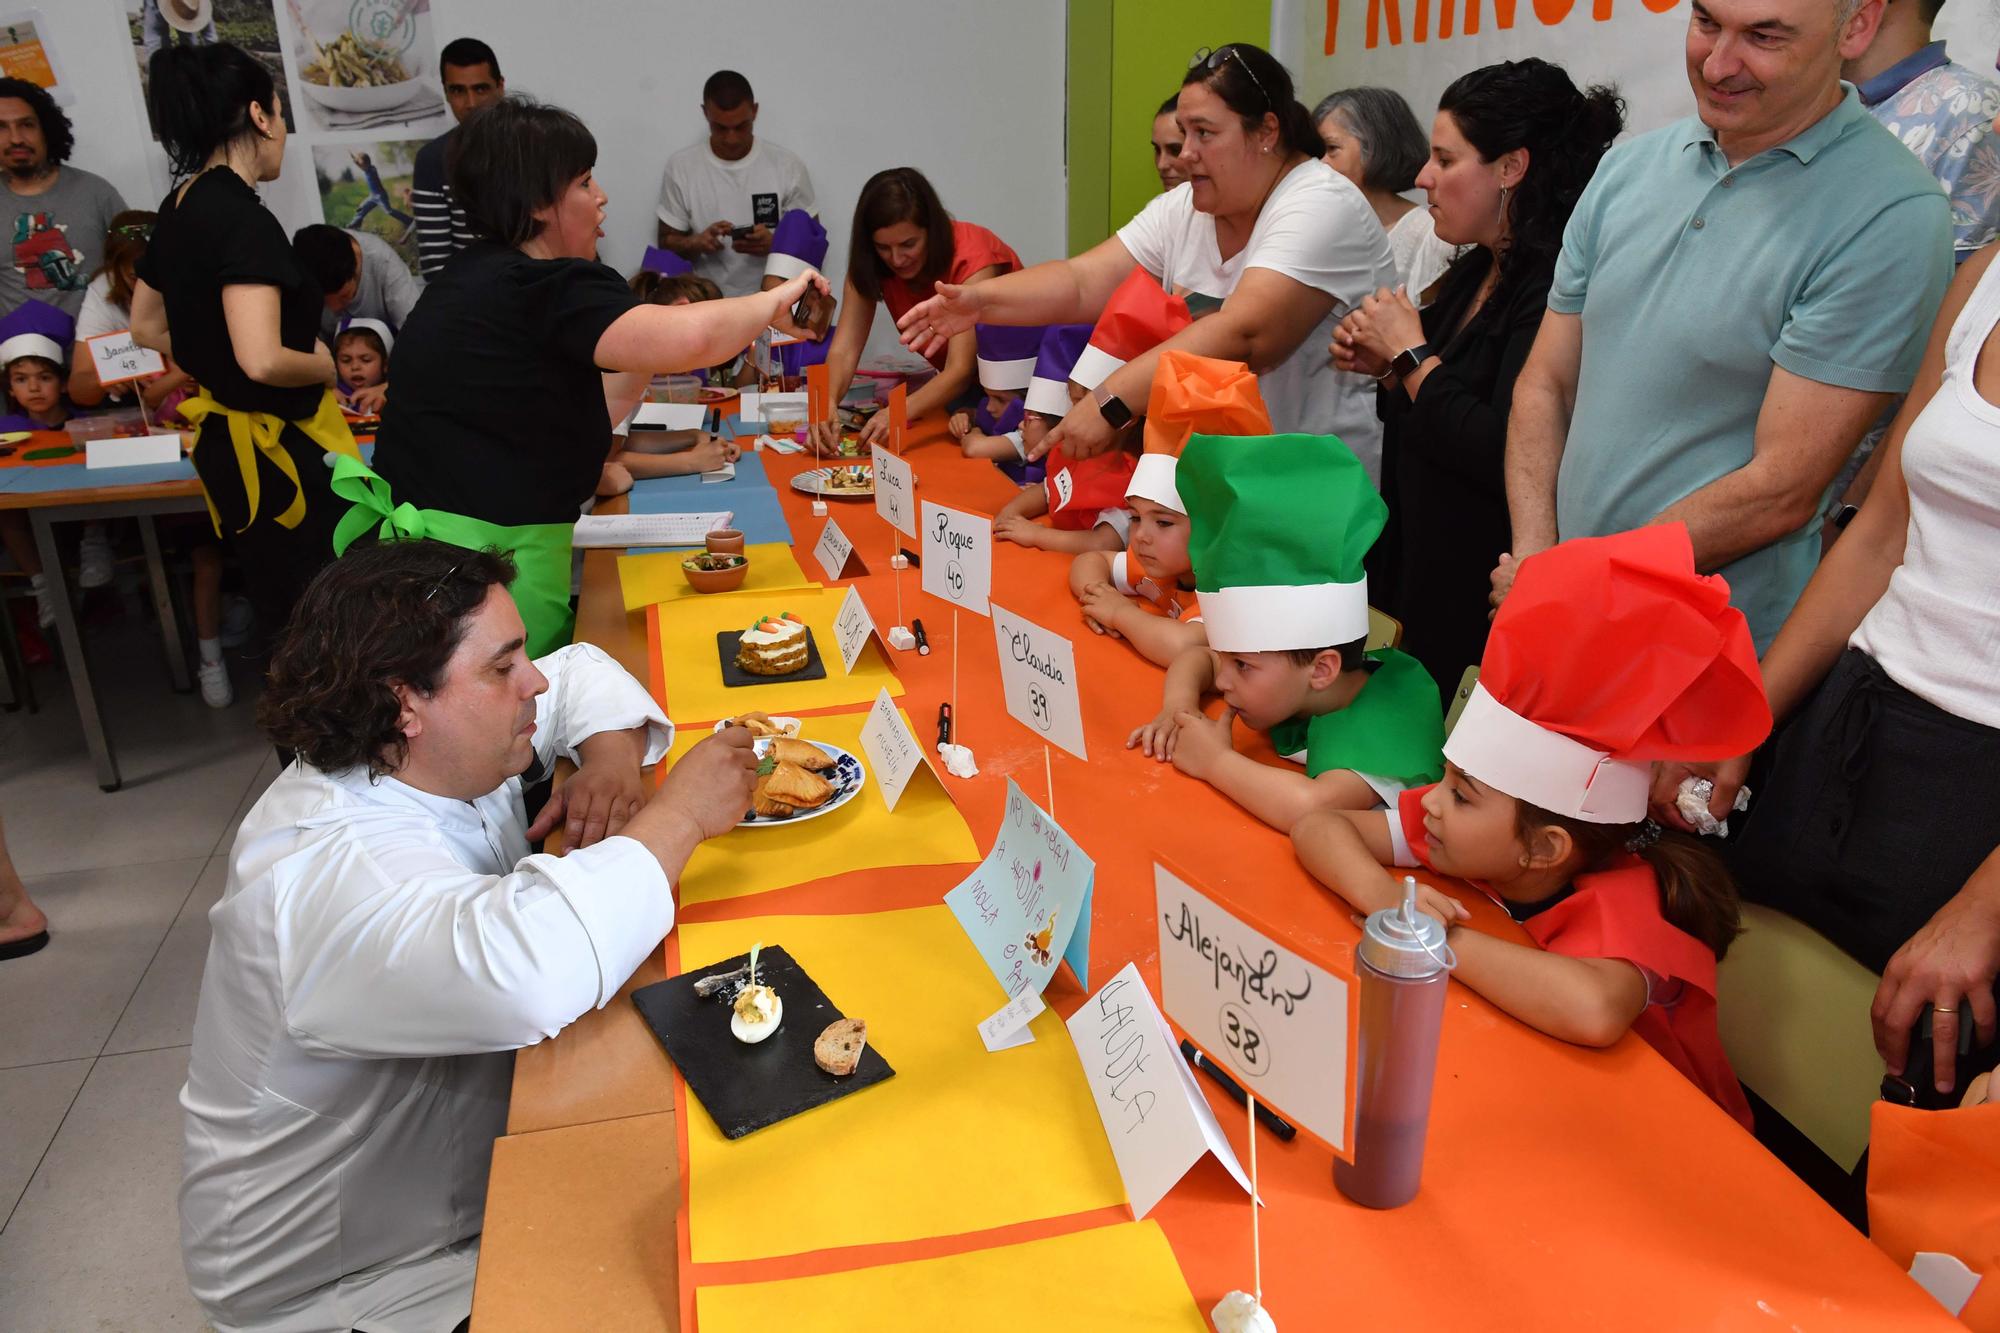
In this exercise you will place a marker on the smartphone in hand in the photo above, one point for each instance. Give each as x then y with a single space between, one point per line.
814 312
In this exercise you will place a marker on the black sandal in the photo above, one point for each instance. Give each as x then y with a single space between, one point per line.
21 948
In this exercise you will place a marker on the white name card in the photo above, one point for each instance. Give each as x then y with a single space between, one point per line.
1038 676
853 627
670 416
119 360
1157 1120
1009 1027
958 556
893 753
895 491
131 451
1286 1027
833 551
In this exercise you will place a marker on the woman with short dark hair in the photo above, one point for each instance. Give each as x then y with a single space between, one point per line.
219 290
520 355
1268 245
1512 148
1372 138
902 245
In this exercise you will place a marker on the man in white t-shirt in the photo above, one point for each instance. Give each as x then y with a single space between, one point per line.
719 199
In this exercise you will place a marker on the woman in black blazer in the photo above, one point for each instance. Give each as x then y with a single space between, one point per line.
1511 150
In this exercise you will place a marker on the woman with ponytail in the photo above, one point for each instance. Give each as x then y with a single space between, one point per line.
1512 148
1268 244
219 290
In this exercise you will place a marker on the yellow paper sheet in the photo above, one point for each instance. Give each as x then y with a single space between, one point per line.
646 579
1108 1280
961 1139
693 668
925 829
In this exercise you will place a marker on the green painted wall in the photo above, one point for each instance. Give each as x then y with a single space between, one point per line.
1124 56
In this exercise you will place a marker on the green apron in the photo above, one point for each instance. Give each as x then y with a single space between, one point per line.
541 551
1393 729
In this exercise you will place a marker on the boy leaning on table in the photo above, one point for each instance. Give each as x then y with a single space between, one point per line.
385 941
1278 528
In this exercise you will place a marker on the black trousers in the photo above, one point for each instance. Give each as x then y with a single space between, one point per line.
278 562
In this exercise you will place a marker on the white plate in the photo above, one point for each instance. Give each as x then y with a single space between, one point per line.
370 97
848 778
813 482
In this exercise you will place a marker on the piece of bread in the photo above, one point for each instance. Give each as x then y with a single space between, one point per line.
803 753
839 1048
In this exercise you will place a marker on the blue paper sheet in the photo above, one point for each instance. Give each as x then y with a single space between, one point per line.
748 496
75 476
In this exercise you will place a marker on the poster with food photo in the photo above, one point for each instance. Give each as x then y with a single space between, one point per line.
250 24
368 65
366 187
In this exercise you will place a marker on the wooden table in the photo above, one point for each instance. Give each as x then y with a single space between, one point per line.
1565 1188
111 500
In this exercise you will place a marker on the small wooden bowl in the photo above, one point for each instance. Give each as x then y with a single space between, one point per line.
715 580
724 541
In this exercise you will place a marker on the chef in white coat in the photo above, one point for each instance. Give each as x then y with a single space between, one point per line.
386 941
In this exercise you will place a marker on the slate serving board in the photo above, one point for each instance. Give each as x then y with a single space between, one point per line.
747 1087
726 643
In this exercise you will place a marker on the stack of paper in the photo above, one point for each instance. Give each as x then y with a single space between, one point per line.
620 530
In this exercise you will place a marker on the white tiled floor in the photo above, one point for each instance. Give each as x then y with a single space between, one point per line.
94 1029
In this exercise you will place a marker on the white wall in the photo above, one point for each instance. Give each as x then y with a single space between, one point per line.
970 94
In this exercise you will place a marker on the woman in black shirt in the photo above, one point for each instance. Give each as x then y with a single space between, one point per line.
521 353
219 289
1512 148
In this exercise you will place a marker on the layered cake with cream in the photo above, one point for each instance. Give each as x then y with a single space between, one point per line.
774 646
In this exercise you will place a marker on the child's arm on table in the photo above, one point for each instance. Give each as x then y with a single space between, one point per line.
1588 1001
1189 677
1158 639
1067 540
1348 850
978 444
1279 796
708 453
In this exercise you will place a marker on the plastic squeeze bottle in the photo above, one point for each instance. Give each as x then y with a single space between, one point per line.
1404 966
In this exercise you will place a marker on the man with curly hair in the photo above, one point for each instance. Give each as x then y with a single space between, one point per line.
386 940
55 216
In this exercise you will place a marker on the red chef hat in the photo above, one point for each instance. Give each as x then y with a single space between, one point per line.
1139 317
1609 653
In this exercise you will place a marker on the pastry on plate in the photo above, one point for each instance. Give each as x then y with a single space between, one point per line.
803 753
839 1048
787 789
774 646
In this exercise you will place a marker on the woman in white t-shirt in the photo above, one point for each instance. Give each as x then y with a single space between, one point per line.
1878 820
1269 246
1372 138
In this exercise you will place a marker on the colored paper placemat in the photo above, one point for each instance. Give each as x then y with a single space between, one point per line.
925 829
646 580
691 673
748 1086
1108 1279
962 1139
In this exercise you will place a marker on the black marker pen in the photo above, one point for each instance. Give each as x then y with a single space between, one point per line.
1265 1115
923 640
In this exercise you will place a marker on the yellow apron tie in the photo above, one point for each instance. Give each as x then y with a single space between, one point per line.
251 432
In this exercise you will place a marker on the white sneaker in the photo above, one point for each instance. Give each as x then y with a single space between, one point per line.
216 690
45 601
93 557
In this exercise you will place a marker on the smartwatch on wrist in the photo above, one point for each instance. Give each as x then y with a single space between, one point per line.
1407 360
1111 407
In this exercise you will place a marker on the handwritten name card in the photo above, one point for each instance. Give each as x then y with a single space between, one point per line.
1038 679
958 556
1027 905
895 491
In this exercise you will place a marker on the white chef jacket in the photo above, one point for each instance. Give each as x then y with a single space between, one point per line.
378 954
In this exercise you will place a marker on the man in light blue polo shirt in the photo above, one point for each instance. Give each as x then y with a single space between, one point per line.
1739 296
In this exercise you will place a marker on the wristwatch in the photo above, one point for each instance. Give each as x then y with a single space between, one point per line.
1407 360
1112 407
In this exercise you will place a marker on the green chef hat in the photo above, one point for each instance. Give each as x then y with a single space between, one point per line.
1279 524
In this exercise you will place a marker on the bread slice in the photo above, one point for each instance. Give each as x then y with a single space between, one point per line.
839 1048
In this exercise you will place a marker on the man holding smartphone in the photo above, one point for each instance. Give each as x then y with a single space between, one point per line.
720 199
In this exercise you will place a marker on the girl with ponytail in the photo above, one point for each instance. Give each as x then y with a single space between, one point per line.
1267 244
220 290
1543 804
1512 147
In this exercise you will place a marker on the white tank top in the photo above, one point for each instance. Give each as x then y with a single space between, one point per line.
1936 630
